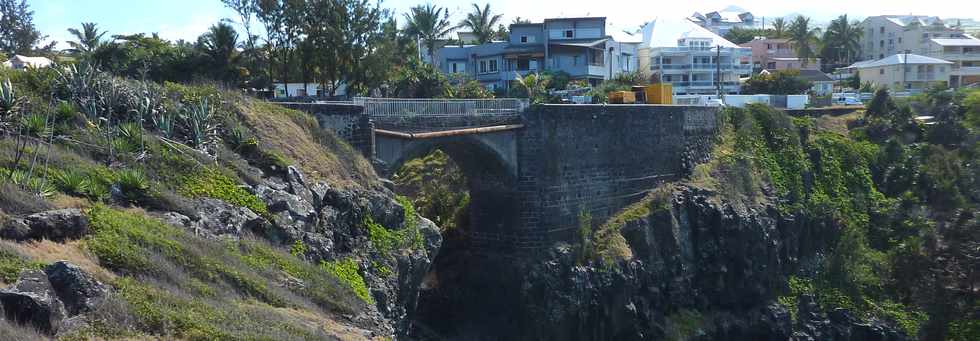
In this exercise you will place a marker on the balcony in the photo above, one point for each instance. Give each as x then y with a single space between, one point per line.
703 84
966 71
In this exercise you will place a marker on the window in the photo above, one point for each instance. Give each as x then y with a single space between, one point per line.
483 66
523 64
882 30
899 40
454 68
523 39
569 33
891 41
881 44
881 71
942 69
575 60
493 66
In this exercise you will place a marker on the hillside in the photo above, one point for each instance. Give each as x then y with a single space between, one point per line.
138 210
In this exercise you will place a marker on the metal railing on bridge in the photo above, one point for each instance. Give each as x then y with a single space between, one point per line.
411 107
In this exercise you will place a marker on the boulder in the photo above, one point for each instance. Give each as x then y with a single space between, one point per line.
219 218
78 291
32 300
15 229
56 225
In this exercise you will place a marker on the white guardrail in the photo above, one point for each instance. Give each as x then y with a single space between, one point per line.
402 107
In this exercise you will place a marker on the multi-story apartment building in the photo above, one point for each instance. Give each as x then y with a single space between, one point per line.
885 35
720 22
905 72
577 46
964 53
692 58
777 54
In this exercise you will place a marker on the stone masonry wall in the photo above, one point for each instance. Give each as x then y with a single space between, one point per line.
348 121
596 159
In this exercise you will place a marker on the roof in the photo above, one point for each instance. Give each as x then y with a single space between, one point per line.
29 61
815 76
905 20
897 59
573 18
665 32
957 41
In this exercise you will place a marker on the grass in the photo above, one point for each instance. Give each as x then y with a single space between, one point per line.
176 284
608 244
684 325
347 271
12 263
296 136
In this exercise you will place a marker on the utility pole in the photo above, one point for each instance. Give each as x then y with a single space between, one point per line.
905 70
718 71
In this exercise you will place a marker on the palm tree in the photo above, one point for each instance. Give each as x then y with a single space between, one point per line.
429 23
779 27
803 37
482 23
519 20
89 38
535 84
842 41
220 43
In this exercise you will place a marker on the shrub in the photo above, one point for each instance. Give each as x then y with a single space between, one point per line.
14 200
212 183
133 184
72 181
347 271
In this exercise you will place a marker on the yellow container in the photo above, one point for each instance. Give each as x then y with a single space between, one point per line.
660 93
621 97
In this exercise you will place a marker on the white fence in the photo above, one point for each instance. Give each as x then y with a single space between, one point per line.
779 101
399 107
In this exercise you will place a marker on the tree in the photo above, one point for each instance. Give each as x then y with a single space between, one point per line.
429 23
803 37
519 21
246 10
220 43
842 41
482 23
535 85
783 82
740 35
881 104
88 38
778 28
282 20
17 32
855 81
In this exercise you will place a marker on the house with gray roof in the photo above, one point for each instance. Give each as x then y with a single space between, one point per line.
905 72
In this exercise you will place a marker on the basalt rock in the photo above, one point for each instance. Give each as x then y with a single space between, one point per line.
78 291
701 269
56 225
219 218
32 300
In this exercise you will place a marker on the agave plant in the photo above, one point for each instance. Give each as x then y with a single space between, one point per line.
199 123
77 82
132 184
34 125
40 187
72 182
9 102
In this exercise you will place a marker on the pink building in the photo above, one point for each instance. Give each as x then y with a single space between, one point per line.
777 54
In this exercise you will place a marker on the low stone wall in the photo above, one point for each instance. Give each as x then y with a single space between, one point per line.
348 121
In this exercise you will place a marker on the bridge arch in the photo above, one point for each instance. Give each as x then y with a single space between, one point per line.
488 161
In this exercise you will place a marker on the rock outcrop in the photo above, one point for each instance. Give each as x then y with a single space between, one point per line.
56 225
47 299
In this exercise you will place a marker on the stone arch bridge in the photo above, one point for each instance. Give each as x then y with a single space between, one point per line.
532 170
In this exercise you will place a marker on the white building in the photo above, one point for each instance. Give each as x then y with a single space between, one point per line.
692 58
905 72
885 35
720 22
19 62
964 53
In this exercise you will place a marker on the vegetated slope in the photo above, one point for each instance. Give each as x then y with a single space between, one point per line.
794 228
184 212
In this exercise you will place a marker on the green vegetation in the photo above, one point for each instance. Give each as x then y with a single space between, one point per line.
12 263
437 187
212 183
781 82
684 324
347 271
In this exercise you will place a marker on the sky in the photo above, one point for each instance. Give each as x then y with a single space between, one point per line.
187 19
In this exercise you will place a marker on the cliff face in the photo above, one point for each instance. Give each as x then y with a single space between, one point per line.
702 269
